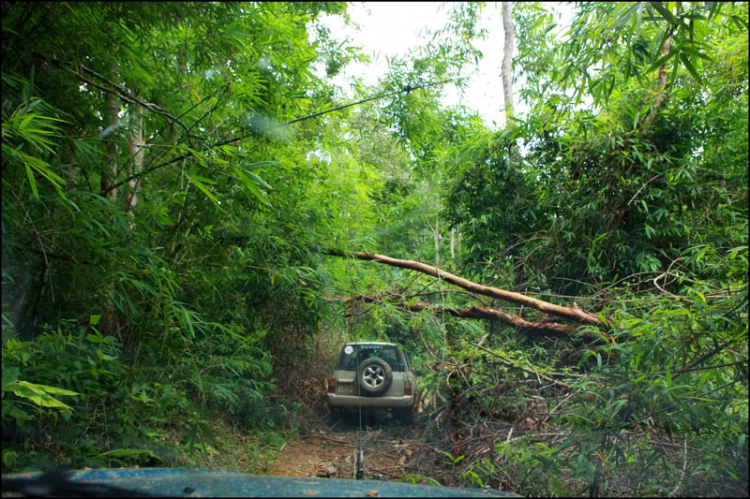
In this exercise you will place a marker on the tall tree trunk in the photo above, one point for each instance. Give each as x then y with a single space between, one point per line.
507 77
111 117
453 244
459 248
135 158
109 324
507 67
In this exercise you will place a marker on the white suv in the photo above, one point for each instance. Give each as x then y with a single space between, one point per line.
373 375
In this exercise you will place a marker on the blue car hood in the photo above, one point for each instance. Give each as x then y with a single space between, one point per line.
210 483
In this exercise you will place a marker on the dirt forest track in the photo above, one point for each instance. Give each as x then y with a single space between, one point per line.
325 449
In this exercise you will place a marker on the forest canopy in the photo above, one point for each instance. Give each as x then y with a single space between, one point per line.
192 210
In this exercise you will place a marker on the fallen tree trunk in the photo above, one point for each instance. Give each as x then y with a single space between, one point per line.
545 328
574 312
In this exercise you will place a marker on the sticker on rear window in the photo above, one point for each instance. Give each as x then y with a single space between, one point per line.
348 350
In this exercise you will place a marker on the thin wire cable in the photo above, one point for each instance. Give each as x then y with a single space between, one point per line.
359 462
359 452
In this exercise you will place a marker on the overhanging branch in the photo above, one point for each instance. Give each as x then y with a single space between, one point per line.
574 312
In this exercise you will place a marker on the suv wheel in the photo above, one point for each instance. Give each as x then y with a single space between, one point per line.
375 376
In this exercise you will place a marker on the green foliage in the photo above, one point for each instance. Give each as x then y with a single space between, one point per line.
232 380
184 252
490 200
533 464
164 267
26 128
40 395
417 478
596 197
646 223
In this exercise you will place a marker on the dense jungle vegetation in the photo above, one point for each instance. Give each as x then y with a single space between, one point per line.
179 248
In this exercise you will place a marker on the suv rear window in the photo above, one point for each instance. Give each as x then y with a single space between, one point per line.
388 353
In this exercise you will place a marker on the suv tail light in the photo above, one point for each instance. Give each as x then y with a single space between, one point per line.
407 388
332 385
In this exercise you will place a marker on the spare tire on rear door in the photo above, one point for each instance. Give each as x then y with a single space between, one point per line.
375 376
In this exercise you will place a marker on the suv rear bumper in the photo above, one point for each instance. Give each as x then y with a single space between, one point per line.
353 401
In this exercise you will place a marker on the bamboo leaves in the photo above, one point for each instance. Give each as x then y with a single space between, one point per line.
253 183
201 183
40 395
25 127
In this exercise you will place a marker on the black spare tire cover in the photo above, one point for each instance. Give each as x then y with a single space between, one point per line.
375 376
